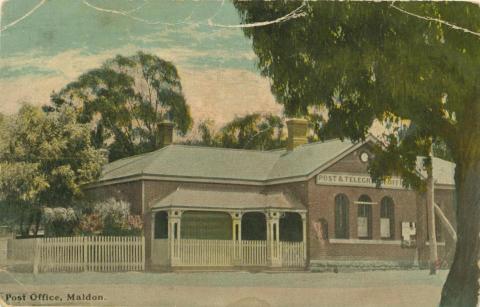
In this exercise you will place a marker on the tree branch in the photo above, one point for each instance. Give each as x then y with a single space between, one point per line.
292 15
448 24
296 13
24 16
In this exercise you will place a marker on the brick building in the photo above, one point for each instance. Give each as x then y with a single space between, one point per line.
307 205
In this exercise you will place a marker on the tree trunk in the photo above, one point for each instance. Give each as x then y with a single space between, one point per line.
461 288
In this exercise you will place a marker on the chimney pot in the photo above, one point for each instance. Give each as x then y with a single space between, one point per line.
297 132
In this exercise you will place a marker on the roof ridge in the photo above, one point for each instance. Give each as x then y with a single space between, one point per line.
224 148
326 141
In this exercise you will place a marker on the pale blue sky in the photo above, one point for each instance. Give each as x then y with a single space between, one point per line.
63 38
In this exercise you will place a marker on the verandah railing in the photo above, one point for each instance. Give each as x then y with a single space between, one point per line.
195 252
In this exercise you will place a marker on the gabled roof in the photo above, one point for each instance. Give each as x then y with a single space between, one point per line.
195 197
222 163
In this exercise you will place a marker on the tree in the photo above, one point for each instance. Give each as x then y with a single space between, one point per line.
125 100
47 159
252 131
257 131
374 61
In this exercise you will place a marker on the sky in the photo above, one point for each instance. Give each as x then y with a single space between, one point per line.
45 44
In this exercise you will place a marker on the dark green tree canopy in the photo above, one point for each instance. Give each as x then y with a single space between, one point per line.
255 131
367 61
45 160
125 100
252 131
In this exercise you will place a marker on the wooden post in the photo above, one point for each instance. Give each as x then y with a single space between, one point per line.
304 230
85 254
431 217
36 256
273 238
174 217
446 222
237 237
143 253
152 239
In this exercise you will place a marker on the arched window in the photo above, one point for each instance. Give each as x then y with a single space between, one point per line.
387 218
341 216
364 217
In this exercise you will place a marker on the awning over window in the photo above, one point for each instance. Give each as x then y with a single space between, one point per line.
218 199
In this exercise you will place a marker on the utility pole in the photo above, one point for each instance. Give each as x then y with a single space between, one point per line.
431 216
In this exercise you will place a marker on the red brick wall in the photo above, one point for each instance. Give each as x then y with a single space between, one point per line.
321 204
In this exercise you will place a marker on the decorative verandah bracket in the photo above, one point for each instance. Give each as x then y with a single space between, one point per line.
237 236
273 238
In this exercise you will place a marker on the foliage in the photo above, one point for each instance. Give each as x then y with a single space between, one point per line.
111 217
45 162
124 101
59 221
369 61
252 131
256 131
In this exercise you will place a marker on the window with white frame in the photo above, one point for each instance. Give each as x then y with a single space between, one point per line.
364 217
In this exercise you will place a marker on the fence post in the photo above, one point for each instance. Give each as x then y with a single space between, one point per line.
85 254
36 255
143 253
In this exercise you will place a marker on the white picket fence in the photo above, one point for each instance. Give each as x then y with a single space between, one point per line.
194 252
254 253
116 254
293 254
75 254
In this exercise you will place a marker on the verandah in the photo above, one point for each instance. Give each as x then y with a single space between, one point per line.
197 238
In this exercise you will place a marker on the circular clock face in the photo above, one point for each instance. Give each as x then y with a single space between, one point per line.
364 157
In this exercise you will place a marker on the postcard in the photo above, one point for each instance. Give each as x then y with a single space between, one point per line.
239 153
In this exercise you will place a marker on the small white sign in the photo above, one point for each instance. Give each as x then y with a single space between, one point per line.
362 227
408 230
356 180
385 228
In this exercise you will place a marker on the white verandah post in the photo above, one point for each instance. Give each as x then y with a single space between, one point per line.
237 237
273 238
152 235
174 219
304 230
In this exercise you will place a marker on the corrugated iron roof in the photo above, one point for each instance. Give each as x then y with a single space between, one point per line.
194 197
211 163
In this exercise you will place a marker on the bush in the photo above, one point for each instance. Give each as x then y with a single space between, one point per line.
112 218
59 221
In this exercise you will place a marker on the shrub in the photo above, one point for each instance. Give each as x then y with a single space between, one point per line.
112 218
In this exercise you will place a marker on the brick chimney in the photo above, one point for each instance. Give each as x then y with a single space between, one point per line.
165 133
297 132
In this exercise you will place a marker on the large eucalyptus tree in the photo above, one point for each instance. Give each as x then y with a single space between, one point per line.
125 100
418 61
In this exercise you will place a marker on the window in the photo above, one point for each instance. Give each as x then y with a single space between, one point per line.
364 217
387 219
341 216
